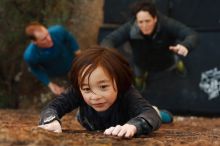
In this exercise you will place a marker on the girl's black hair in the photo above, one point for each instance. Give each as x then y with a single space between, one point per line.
110 60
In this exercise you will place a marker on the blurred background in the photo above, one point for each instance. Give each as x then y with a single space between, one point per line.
91 20
18 87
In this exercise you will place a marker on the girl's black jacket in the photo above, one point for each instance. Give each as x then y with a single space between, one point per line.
130 107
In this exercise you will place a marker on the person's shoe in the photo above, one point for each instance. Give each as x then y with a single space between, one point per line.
166 116
181 69
139 83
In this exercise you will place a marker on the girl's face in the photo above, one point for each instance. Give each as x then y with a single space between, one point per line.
146 22
98 90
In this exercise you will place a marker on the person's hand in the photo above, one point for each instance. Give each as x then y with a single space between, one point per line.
57 90
179 49
53 126
77 53
127 131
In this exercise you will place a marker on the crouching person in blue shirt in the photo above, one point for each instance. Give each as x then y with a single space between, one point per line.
50 53
102 89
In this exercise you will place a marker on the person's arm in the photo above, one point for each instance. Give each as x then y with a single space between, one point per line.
32 62
38 72
43 77
117 37
187 39
77 53
71 41
56 89
57 108
144 118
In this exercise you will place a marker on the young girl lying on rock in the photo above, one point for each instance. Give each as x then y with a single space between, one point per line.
102 89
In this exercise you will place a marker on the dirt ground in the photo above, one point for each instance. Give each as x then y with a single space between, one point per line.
19 127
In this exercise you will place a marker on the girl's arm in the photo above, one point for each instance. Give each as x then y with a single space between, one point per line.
141 113
143 119
61 105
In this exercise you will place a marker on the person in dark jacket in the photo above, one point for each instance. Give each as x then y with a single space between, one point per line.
102 89
157 41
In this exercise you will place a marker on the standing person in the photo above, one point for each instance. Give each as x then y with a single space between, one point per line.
50 53
156 41
102 89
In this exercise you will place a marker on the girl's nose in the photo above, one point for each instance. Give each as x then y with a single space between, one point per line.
95 96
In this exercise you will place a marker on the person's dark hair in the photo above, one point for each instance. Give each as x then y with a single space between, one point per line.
109 59
145 5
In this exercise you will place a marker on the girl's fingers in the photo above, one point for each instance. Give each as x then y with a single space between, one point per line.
109 131
116 130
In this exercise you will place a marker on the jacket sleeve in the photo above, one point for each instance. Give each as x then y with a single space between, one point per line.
184 34
118 37
68 39
72 42
39 74
142 114
66 102
35 69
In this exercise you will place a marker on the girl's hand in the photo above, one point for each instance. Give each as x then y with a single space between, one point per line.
126 131
53 126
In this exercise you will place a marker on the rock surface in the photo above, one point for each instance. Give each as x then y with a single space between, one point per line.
19 127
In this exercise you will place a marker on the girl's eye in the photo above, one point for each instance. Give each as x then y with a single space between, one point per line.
86 89
104 86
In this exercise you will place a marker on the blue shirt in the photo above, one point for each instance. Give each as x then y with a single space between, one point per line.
46 63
